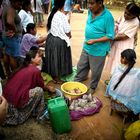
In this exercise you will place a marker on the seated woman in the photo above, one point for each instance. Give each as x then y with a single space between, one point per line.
24 91
124 86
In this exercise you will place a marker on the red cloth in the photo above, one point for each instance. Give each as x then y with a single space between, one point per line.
16 90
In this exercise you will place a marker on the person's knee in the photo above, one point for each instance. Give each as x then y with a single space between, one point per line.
38 91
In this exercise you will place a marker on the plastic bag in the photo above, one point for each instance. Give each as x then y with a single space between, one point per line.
78 114
70 77
46 77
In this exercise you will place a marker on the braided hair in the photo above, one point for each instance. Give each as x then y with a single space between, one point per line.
58 4
130 57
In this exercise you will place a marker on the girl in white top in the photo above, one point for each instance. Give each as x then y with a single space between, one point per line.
58 60
25 14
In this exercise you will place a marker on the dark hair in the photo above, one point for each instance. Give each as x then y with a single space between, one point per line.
31 54
27 60
130 57
133 9
30 27
58 4
99 1
25 4
34 48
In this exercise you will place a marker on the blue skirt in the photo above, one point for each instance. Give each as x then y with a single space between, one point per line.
12 45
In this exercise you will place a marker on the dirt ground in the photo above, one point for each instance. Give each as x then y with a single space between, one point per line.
100 126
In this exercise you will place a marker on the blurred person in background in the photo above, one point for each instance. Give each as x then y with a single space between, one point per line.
12 33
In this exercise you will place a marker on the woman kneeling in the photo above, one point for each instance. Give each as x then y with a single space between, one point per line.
24 91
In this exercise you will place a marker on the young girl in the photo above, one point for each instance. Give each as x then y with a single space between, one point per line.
30 39
125 83
24 91
25 14
58 61
126 28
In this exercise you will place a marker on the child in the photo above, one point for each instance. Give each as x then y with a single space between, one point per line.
25 14
126 28
124 84
30 39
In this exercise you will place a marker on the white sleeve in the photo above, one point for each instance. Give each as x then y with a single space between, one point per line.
21 15
66 25
132 30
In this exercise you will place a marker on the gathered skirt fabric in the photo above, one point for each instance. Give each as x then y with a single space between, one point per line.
34 108
58 60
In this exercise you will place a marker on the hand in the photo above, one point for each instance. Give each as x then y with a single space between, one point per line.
51 89
3 108
90 42
10 33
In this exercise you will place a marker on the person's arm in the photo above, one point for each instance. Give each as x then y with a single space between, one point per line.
31 11
41 40
120 37
10 22
10 19
49 88
66 27
40 82
22 15
69 34
3 108
50 6
92 41
130 32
